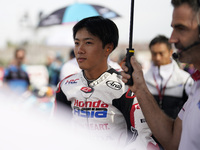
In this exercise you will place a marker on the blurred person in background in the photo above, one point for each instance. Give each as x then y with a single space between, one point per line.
96 96
49 60
71 54
15 75
54 69
169 84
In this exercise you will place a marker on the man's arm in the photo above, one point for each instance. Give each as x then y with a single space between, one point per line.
166 130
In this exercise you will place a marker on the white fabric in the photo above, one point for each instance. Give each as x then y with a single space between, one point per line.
190 116
162 74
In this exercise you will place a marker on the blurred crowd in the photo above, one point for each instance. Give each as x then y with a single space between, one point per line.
37 83
20 77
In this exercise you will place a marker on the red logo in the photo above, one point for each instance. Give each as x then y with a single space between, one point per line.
87 89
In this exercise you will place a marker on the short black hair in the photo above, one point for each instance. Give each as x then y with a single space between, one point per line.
194 4
160 39
105 29
72 55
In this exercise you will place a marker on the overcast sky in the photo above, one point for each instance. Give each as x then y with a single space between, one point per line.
151 17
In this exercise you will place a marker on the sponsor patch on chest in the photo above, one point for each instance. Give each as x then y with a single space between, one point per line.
114 85
87 91
90 109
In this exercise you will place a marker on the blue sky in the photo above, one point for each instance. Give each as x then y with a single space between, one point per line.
151 17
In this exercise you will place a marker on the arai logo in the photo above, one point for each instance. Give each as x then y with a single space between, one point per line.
114 85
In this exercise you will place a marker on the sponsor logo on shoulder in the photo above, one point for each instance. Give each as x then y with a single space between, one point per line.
72 81
114 85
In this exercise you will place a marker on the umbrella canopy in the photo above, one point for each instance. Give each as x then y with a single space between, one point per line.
76 12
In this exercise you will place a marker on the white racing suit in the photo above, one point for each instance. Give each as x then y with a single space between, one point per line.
107 108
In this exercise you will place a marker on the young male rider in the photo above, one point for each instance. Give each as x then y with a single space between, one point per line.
97 97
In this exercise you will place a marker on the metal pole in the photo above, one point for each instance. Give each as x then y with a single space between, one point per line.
131 24
130 50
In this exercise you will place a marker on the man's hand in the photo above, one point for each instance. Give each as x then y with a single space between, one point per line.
137 75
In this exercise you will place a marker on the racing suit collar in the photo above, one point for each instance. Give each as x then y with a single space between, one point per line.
102 77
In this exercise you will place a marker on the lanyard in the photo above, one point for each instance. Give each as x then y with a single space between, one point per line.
162 91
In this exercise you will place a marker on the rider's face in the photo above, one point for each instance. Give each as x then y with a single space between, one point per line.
89 52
